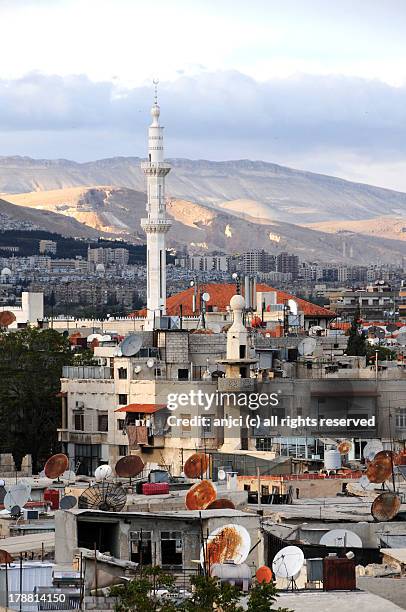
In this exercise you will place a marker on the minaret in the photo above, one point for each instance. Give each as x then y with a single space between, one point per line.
156 225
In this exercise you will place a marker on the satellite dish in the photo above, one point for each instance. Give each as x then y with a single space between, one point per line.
293 307
371 449
227 543
341 538
69 475
67 502
5 557
391 327
150 362
215 328
94 337
385 507
129 466
344 447
6 318
380 469
221 475
196 465
402 330
306 346
378 332
102 472
106 338
401 339
131 345
221 504
200 495
288 562
264 574
137 369
104 496
17 495
205 296
56 465
15 512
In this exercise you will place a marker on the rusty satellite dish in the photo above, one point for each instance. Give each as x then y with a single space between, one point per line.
385 507
56 465
5 557
227 543
200 495
220 504
379 470
264 574
104 496
344 447
6 318
129 467
196 465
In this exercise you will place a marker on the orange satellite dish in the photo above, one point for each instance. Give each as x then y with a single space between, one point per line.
5 557
196 465
6 318
385 507
220 504
129 466
56 465
344 447
200 495
379 470
264 574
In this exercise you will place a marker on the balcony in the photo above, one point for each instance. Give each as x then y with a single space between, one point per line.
87 372
82 437
236 385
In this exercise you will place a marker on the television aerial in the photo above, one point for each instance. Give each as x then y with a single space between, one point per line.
293 307
129 466
227 543
17 495
287 563
341 538
306 346
104 496
385 507
56 465
67 502
102 472
131 345
371 449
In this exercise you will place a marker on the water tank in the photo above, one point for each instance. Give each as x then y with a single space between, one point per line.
237 575
332 460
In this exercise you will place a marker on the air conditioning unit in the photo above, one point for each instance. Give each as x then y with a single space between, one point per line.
30 514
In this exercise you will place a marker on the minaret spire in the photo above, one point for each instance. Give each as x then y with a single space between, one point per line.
156 225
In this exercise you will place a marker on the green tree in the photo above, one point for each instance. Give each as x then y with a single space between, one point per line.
31 362
210 594
356 344
141 594
262 597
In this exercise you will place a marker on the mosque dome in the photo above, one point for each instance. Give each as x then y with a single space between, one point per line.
237 302
6 272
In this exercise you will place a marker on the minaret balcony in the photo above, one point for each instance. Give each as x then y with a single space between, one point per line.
156 226
152 168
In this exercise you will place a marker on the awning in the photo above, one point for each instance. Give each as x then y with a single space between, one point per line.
142 408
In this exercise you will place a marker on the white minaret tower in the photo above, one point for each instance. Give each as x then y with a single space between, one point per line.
156 225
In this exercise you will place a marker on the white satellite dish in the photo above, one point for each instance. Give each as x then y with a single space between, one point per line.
218 540
288 562
307 346
205 296
17 495
68 475
106 338
97 337
315 329
215 328
131 345
401 339
150 362
364 482
371 449
221 475
293 307
137 369
341 538
402 330
102 472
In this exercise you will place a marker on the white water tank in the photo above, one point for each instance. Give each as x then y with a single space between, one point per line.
332 460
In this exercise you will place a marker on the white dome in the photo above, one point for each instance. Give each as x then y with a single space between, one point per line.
100 267
237 302
6 272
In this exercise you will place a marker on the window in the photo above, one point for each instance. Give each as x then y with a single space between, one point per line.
122 373
401 418
185 426
102 422
207 428
122 399
183 374
141 547
242 351
171 548
79 421
120 424
122 450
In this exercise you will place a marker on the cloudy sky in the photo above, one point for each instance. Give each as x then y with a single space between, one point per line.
314 84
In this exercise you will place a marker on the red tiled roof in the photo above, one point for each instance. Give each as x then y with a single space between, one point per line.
221 294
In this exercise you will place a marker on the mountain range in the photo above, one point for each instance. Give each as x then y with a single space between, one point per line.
229 206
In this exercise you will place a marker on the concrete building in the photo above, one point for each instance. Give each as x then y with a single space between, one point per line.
47 246
288 263
31 311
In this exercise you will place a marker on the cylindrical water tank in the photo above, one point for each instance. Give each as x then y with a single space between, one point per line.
332 460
